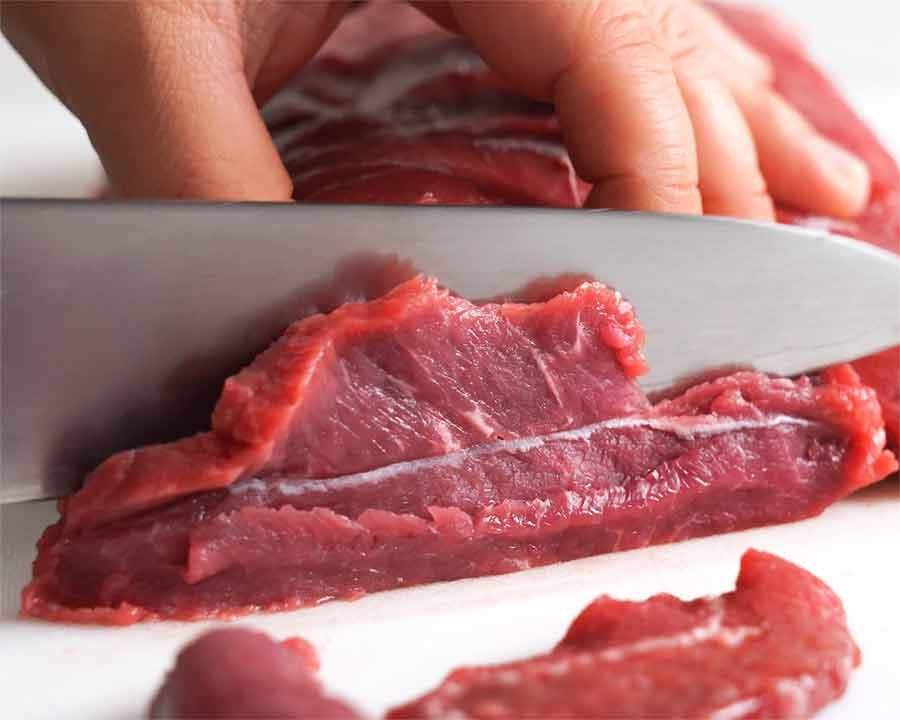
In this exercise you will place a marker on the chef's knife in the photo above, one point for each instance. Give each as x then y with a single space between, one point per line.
120 320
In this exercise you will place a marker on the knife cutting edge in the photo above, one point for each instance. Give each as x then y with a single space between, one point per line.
120 320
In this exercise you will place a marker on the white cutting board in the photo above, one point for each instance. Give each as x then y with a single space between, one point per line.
388 648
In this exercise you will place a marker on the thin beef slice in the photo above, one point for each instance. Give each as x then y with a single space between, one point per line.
395 110
413 374
596 469
238 674
776 647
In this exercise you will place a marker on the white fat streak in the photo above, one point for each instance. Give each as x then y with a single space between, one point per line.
248 485
706 427
735 710
285 105
479 421
469 122
710 631
399 79
435 707
443 430
548 378
797 692
548 148
578 345
540 147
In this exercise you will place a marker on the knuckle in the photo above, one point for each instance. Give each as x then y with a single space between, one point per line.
671 173
617 27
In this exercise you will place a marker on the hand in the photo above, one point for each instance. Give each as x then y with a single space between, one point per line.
662 107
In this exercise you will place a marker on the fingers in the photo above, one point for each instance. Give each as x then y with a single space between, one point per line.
741 62
609 67
282 37
802 168
619 106
730 179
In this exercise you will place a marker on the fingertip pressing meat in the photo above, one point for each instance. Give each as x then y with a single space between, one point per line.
776 647
238 674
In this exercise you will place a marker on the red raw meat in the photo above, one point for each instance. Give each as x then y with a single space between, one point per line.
395 110
599 469
776 647
367 385
240 674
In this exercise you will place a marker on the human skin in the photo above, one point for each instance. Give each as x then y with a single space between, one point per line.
662 108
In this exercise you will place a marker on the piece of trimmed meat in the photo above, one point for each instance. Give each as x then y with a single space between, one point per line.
599 469
239 674
396 110
413 374
776 647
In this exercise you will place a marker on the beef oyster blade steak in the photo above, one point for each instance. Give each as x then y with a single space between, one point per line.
776 647
396 110
237 673
508 436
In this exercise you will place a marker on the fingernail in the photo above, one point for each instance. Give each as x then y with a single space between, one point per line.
846 173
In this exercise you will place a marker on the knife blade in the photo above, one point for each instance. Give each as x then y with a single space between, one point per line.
121 320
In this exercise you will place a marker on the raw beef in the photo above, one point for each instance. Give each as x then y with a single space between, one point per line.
413 374
776 647
395 110
516 436
242 674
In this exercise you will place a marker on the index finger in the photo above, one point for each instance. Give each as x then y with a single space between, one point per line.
603 66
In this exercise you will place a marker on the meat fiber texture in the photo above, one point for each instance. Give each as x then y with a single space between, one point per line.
395 110
776 647
237 674
419 437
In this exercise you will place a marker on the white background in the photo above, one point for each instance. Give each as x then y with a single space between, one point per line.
386 648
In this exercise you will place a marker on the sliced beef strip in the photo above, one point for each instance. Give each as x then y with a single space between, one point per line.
395 110
413 374
239 674
741 451
776 647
